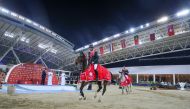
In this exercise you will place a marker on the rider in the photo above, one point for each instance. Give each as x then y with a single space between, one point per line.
93 59
125 71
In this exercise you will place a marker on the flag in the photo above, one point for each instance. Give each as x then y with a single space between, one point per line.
123 45
152 37
101 50
171 30
113 46
107 48
110 47
136 40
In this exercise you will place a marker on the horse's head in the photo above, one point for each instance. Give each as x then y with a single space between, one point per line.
81 61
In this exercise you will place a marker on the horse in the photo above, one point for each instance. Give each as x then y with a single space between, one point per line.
125 82
87 77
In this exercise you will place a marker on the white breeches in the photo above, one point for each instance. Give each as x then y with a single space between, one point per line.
95 66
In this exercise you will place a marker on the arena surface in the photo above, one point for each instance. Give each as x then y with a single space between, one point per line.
140 98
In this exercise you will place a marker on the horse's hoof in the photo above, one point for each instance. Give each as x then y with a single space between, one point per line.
80 98
84 98
99 101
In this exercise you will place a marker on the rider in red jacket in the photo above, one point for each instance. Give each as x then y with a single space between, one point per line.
93 58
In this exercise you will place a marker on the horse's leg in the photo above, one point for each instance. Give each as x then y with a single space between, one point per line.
130 87
83 84
123 89
99 88
127 89
104 90
81 90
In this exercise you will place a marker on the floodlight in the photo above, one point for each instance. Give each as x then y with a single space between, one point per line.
163 19
182 13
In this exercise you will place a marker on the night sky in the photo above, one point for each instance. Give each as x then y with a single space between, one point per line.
86 21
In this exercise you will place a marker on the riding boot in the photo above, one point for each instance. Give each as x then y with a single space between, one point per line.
96 72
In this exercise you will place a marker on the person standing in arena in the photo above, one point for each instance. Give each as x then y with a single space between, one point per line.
50 77
43 76
63 78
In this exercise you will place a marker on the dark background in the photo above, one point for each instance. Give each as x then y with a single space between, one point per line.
86 21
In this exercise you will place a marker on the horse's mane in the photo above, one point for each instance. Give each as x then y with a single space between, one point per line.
80 59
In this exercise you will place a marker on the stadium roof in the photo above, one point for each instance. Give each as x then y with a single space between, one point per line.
133 30
23 40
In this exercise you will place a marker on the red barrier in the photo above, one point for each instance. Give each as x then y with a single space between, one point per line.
29 74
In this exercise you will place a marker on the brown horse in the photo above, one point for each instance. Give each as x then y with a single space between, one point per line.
81 61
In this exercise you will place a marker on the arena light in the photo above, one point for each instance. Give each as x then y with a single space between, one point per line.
182 13
27 40
7 34
163 19
35 24
48 30
86 46
23 39
81 48
126 31
5 10
147 24
116 35
77 50
42 46
95 43
106 39
54 34
21 17
141 26
42 27
53 51
28 20
132 30
14 14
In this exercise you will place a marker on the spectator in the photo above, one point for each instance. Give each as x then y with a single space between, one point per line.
63 78
50 77
43 76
